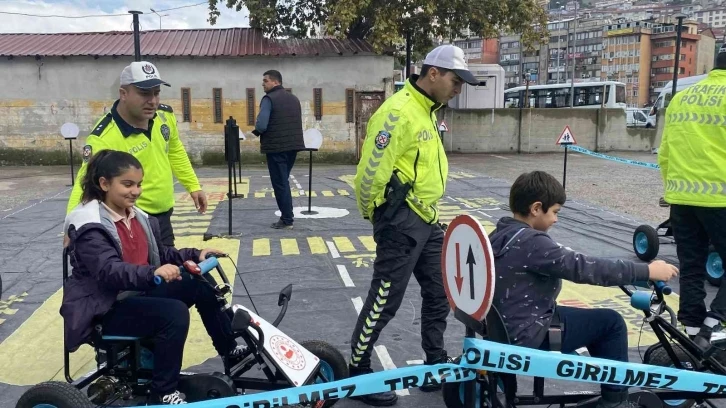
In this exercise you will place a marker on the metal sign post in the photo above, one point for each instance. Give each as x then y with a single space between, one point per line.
137 36
70 132
231 155
313 141
566 139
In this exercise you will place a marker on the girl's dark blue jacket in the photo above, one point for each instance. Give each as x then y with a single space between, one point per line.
99 274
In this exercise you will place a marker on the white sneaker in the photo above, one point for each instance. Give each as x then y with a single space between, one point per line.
175 398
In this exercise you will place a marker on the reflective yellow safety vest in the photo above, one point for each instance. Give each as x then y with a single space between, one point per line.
403 135
692 155
162 156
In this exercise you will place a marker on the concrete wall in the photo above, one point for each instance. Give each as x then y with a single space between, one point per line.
39 96
502 131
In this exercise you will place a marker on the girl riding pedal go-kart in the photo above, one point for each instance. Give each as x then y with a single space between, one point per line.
118 261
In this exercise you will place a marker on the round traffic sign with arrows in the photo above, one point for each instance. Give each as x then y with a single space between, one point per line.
468 267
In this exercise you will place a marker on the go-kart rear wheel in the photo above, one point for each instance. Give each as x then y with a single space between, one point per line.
333 366
714 267
646 243
658 356
54 394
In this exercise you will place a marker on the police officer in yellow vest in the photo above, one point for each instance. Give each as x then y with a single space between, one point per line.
400 178
140 125
692 158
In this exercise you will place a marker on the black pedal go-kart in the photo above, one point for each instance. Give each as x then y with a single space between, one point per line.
124 364
646 244
674 349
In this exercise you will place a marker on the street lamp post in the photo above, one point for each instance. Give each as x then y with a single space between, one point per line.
680 17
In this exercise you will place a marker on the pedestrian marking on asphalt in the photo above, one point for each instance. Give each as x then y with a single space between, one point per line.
414 362
317 245
343 272
368 242
343 244
261 247
269 193
289 246
327 193
333 250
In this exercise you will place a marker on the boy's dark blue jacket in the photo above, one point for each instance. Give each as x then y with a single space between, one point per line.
99 272
530 267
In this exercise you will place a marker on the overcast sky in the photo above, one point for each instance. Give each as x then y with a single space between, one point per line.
189 17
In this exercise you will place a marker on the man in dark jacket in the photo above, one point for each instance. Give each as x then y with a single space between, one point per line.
279 126
530 267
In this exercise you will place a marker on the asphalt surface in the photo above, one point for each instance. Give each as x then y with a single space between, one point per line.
606 202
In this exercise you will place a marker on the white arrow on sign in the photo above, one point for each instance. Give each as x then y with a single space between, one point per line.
468 267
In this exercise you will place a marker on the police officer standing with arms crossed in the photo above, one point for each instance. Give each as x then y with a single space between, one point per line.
692 158
400 178
140 125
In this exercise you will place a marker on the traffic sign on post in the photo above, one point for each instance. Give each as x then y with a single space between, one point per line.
443 127
468 267
566 138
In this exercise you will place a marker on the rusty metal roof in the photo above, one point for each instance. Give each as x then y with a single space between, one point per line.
226 42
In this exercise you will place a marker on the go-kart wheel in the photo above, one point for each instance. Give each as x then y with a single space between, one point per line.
646 243
714 267
658 356
333 366
453 392
54 394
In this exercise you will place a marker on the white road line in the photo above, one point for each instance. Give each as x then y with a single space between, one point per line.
344 275
484 214
297 184
500 157
414 362
381 351
387 364
357 304
34 204
333 250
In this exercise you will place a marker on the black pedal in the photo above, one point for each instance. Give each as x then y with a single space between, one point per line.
202 387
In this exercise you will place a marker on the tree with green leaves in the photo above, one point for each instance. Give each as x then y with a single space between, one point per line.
385 23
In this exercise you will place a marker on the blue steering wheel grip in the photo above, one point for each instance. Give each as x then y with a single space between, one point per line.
206 266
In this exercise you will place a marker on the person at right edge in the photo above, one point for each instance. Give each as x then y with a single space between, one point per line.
399 180
530 267
279 127
692 159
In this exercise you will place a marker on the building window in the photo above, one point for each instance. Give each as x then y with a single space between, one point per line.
251 106
318 103
349 105
217 103
186 96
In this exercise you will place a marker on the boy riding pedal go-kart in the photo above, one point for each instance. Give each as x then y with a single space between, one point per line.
530 267
129 297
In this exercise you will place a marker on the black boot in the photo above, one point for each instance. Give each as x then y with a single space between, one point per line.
381 399
615 399
703 338
443 358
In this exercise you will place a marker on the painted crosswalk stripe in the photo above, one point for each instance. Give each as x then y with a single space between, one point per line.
343 272
343 192
289 246
343 244
333 250
327 193
317 245
368 242
260 247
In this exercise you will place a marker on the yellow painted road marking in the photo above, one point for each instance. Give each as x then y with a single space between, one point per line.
289 246
589 296
189 218
260 247
259 195
34 352
343 244
327 193
368 242
343 192
190 230
317 245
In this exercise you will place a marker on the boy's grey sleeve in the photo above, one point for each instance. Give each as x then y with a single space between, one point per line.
548 258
